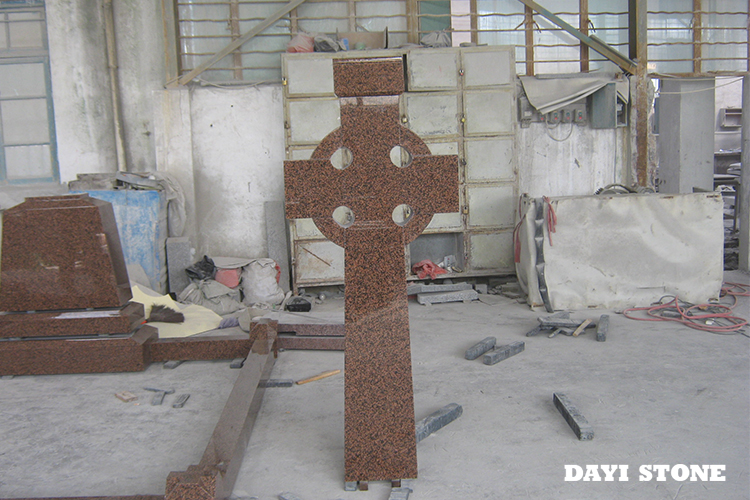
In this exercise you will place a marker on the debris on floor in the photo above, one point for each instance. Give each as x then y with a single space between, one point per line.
288 496
172 364
159 395
180 401
503 352
575 420
276 382
400 494
437 420
126 396
420 288
319 377
560 323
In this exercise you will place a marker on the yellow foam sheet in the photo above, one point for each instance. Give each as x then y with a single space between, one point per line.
198 319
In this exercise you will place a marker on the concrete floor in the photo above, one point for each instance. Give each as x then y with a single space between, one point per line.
654 393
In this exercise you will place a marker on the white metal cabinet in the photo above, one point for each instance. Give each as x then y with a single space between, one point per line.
459 101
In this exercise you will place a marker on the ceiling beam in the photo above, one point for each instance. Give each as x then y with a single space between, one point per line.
595 43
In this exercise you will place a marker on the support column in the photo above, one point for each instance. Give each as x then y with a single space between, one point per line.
744 198
686 135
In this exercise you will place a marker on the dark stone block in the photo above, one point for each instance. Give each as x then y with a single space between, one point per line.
437 420
62 252
480 348
602 328
503 352
575 420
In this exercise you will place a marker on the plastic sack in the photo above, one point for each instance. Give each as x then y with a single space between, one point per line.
204 269
436 39
260 283
325 43
301 42
427 267
212 295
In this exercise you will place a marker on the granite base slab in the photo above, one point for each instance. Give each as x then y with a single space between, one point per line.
62 356
200 348
311 343
71 323
328 330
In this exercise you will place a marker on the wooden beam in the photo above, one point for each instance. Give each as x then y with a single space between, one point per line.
638 33
697 36
234 25
598 45
171 51
583 25
412 21
258 28
528 21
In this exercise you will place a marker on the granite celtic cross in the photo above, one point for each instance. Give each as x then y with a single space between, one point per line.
371 168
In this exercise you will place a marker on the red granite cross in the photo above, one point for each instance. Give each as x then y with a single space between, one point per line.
372 180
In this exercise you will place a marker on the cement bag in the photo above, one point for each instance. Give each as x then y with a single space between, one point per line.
260 283
212 295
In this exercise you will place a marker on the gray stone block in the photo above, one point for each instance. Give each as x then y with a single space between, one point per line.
417 288
400 494
481 288
277 239
575 420
276 382
442 297
503 352
480 348
437 420
179 258
602 327
288 496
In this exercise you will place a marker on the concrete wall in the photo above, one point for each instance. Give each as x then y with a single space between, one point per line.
81 84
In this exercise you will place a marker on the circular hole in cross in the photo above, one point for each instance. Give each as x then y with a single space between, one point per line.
342 158
400 157
343 216
402 214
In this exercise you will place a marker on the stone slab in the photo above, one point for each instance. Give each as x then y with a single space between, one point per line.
573 417
62 252
327 330
602 328
503 352
201 348
443 297
480 348
311 343
417 288
437 420
71 323
179 258
277 239
60 356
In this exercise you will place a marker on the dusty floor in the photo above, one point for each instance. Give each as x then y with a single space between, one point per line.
654 394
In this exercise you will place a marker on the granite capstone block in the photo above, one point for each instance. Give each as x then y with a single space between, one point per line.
480 348
573 417
379 408
368 77
503 352
71 323
444 297
62 252
437 420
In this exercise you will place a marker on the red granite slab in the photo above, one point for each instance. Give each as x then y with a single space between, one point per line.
311 343
71 323
369 77
301 329
201 348
92 355
62 252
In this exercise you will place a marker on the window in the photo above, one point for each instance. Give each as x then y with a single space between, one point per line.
27 134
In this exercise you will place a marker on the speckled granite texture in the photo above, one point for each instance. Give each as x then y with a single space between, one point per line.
328 330
379 411
70 323
62 252
200 348
94 355
311 343
368 77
